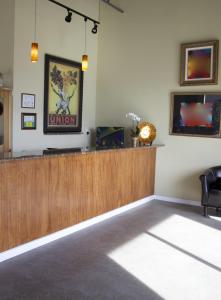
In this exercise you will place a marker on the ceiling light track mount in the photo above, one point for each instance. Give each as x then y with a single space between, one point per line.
108 2
71 10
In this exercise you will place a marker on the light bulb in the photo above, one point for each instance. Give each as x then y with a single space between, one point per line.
34 52
84 62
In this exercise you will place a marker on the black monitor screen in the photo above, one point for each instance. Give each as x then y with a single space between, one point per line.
109 137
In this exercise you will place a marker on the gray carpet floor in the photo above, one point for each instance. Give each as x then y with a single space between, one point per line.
154 252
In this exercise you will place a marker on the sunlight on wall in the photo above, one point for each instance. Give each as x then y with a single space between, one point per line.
177 248
135 73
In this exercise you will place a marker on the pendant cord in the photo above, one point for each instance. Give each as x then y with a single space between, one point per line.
35 21
85 35
99 10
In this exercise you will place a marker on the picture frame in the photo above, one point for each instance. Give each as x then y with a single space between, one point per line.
27 100
63 96
196 114
199 63
28 121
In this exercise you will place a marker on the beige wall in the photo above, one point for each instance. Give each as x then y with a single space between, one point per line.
59 38
138 68
6 40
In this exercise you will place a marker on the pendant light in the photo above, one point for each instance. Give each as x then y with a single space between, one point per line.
34 45
85 56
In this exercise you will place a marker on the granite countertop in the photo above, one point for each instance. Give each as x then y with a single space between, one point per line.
24 155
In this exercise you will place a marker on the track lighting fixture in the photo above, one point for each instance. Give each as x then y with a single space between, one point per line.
71 10
68 18
86 18
94 29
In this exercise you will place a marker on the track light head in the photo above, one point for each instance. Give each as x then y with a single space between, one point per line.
94 29
68 18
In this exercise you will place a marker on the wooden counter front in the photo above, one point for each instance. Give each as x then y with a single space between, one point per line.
39 196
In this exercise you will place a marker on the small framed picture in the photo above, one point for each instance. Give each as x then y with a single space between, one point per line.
28 121
27 100
199 63
196 114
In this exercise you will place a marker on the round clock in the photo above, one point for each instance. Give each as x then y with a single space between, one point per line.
147 133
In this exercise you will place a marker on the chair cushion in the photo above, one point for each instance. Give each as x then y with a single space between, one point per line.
216 185
214 198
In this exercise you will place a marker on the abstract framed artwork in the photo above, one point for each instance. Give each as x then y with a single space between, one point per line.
196 114
63 95
28 121
199 63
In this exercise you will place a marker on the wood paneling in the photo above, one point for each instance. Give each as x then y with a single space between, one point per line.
42 195
6 94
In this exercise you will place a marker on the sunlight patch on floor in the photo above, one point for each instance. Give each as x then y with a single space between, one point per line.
168 271
218 219
199 239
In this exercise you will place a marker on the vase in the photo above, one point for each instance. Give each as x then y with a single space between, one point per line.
135 141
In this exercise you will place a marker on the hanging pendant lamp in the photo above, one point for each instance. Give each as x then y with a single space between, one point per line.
85 56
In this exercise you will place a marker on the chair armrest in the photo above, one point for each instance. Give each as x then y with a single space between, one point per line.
205 188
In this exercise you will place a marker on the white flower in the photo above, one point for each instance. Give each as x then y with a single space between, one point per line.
133 117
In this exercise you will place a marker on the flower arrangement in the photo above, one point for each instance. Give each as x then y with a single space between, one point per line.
135 121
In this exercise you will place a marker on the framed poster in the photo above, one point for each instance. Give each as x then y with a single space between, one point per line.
199 63
28 121
63 95
196 114
27 100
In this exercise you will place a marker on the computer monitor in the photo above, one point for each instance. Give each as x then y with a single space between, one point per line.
109 137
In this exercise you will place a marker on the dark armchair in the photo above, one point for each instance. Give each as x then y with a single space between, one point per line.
211 189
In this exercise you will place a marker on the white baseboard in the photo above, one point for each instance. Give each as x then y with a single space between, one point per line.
177 200
62 233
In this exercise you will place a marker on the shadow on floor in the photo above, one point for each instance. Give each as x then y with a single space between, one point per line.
78 267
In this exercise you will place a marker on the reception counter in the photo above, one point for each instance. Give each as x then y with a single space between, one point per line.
41 194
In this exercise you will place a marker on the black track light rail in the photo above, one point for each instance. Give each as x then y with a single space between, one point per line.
74 11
